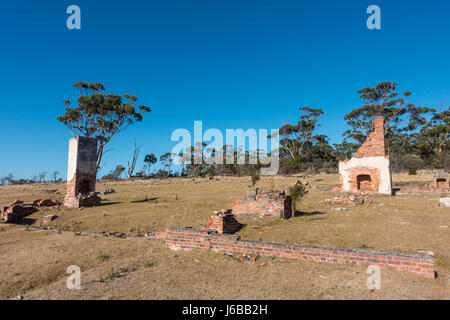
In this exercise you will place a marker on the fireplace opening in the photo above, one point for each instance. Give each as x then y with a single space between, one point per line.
441 182
84 187
364 182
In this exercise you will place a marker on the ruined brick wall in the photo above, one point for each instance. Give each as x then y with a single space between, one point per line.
368 171
441 179
187 238
264 203
223 222
81 173
441 183
16 211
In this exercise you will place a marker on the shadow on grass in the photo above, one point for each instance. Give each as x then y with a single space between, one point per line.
241 226
412 183
305 214
108 203
144 200
26 221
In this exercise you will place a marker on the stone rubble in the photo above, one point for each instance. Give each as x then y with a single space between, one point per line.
349 199
49 218
444 202
108 191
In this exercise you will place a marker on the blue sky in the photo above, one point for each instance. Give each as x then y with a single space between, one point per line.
232 64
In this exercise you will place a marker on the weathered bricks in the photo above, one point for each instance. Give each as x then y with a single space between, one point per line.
188 238
49 218
16 212
223 222
441 180
368 171
264 203
374 146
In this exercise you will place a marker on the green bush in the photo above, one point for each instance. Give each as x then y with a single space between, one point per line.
412 170
111 275
255 178
296 193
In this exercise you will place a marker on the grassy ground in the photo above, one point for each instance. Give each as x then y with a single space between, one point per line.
34 263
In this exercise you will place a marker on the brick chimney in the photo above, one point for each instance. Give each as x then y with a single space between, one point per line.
378 124
374 146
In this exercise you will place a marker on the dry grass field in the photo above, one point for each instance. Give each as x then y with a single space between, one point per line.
34 262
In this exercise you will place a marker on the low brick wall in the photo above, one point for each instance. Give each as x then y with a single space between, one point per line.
262 203
188 238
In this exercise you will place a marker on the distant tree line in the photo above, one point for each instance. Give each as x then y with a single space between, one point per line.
39 178
417 137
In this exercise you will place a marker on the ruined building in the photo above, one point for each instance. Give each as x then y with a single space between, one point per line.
82 173
368 171
441 180
270 203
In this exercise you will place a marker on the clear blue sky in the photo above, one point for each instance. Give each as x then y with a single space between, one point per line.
232 64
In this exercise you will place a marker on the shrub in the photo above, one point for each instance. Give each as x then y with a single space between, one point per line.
111 275
102 257
296 192
412 170
255 178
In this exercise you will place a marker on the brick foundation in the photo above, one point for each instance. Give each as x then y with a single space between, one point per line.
187 238
91 200
16 212
264 203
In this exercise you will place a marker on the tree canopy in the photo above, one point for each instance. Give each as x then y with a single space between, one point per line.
100 115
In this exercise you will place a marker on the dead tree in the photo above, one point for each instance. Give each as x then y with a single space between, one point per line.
132 165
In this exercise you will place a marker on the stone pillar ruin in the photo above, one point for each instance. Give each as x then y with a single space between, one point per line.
82 173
